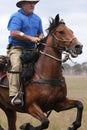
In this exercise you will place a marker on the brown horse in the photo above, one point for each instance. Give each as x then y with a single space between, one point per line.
47 90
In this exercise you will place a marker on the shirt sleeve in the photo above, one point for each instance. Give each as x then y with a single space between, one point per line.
14 23
40 27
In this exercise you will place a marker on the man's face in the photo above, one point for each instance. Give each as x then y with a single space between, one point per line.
28 7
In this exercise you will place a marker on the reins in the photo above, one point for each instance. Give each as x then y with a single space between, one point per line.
67 57
61 60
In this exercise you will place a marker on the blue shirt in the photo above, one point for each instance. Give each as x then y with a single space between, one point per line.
28 24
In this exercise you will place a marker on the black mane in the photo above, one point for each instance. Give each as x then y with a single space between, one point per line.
54 23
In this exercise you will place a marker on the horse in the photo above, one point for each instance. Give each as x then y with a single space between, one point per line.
47 89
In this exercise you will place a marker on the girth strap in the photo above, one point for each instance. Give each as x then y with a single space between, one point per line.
52 82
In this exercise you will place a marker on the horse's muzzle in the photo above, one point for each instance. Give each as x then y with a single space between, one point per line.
76 50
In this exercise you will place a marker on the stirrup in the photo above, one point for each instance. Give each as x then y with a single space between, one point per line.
17 96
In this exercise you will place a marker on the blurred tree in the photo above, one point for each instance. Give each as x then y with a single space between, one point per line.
77 69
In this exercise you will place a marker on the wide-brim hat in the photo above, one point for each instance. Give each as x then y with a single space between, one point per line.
19 3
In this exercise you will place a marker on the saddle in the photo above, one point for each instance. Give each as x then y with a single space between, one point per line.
28 59
3 74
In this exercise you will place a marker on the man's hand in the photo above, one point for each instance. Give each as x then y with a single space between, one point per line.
35 39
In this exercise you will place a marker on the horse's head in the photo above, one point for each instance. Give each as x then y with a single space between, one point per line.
64 38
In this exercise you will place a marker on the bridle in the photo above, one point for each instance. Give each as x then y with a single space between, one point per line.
59 48
57 40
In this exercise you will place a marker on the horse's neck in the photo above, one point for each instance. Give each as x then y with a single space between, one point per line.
47 67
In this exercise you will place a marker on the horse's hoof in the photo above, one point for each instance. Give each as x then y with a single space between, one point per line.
71 128
25 126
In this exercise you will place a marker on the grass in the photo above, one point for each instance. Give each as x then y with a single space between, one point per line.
76 89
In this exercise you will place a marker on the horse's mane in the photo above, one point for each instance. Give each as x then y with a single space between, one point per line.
54 23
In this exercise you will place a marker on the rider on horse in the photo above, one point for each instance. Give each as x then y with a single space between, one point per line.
25 32
47 89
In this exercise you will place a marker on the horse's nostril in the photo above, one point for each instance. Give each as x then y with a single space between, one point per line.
78 48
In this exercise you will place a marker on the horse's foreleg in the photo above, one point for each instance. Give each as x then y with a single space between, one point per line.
36 112
69 104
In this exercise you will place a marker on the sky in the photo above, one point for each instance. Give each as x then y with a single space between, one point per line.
73 12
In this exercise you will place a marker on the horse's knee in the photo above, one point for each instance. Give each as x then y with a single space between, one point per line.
80 105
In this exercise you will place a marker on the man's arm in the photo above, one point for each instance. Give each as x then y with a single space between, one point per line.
21 36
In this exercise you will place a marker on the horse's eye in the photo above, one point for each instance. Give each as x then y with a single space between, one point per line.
61 32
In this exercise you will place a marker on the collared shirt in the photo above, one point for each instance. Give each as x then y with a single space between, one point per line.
28 24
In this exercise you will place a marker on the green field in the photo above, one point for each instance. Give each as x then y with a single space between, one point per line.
77 89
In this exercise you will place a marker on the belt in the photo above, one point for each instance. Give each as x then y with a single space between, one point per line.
12 46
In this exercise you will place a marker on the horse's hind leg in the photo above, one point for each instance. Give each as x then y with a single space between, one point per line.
36 112
11 118
69 104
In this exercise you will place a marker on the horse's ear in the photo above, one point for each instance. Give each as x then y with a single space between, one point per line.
57 19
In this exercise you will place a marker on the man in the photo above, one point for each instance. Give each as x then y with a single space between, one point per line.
25 32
